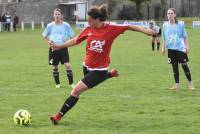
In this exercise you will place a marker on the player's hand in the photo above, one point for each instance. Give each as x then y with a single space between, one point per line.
56 47
187 50
163 51
51 43
151 32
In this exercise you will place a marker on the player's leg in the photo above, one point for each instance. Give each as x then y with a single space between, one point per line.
176 76
14 27
172 59
56 76
69 73
153 43
158 43
188 75
92 79
54 61
69 102
64 57
183 59
9 27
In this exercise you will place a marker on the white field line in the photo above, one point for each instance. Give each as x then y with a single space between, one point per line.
62 92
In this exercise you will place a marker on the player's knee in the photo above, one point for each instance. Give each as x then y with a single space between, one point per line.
76 92
184 64
67 66
55 69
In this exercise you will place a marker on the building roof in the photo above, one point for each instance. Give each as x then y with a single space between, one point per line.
73 2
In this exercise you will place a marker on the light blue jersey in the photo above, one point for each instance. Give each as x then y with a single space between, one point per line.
174 35
58 33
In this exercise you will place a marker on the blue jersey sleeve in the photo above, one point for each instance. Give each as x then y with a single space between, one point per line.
70 32
47 31
184 33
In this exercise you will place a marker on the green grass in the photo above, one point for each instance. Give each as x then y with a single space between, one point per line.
138 102
189 19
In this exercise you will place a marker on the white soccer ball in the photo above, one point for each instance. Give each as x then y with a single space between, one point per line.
22 117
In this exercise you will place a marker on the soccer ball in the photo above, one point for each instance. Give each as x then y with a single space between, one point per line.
22 117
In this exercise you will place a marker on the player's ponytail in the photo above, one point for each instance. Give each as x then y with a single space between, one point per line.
100 12
104 12
174 10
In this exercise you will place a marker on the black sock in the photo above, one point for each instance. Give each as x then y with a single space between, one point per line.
56 76
187 72
158 45
153 45
176 72
70 76
69 103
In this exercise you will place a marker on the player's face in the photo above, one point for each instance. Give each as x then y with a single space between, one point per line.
93 22
57 15
171 15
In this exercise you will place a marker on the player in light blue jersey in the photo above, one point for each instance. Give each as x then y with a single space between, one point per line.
155 38
175 40
57 33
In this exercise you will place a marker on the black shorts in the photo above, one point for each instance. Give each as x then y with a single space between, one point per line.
58 56
94 77
175 56
158 34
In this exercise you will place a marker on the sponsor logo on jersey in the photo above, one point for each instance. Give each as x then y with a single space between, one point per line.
97 46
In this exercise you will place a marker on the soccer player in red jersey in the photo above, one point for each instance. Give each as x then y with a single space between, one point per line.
99 36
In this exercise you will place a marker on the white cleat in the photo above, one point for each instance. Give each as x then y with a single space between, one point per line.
58 86
72 85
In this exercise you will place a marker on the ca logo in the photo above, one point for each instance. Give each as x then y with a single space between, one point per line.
97 46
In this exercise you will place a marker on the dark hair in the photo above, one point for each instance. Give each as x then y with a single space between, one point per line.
100 12
174 10
58 9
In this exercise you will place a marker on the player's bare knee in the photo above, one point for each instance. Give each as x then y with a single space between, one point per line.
76 92
55 68
158 40
67 66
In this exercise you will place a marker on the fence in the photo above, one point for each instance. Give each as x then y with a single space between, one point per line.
80 25
22 26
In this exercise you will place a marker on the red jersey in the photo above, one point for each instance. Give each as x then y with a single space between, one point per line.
99 42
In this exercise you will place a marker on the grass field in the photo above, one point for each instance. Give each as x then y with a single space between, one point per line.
138 102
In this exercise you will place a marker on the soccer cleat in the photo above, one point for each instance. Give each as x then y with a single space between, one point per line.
72 85
191 86
175 87
114 73
58 86
55 119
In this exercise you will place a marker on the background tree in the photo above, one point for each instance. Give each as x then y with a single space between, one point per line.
112 4
138 7
163 8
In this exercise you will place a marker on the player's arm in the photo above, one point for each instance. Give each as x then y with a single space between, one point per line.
69 43
163 48
49 42
46 33
186 44
142 30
